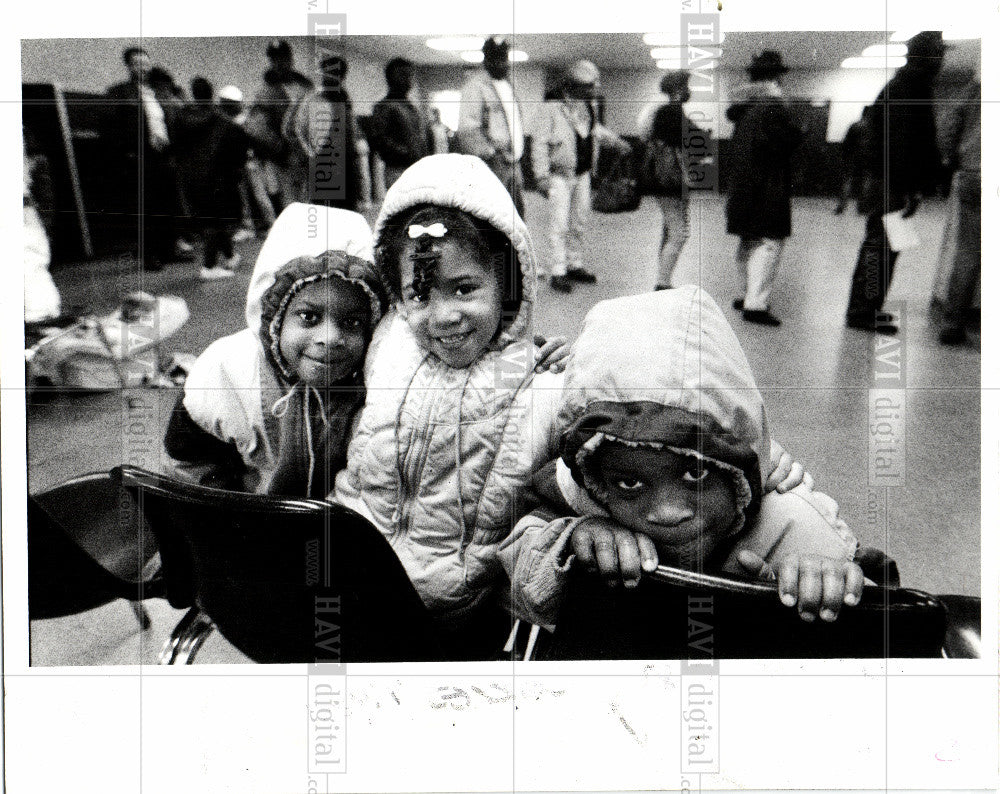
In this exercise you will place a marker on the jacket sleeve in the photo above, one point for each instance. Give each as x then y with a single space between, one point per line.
800 521
537 560
470 136
198 456
541 132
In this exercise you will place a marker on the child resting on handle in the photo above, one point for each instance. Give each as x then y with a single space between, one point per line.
664 447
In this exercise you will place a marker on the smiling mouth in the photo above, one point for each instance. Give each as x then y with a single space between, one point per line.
453 341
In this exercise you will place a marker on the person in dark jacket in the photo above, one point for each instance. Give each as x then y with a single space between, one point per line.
211 152
137 143
759 210
850 160
900 162
398 129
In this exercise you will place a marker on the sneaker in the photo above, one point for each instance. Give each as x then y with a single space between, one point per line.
242 235
738 304
231 263
761 317
561 284
183 247
952 335
582 275
214 273
660 287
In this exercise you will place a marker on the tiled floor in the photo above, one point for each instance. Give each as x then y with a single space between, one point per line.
815 373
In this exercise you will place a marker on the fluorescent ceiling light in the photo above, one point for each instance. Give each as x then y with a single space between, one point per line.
674 65
658 53
872 63
456 43
518 56
672 39
884 50
473 56
903 36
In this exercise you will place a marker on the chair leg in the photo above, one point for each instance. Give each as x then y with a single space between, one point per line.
168 654
200 632
140 614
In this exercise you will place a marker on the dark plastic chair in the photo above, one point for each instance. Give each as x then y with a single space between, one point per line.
283 580
87 546
676 614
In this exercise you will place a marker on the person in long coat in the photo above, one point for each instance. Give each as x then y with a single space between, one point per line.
759 210
900 162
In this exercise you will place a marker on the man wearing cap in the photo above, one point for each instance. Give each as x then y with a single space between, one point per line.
489 121
759 208
899 163
282 89
563 151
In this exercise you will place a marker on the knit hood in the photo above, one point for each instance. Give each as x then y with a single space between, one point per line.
663 370
466 183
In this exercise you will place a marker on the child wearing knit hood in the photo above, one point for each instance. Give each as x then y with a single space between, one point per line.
270 408
663 445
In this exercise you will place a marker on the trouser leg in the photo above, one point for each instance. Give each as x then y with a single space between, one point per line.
762 267
560 198
676 230
579 216
873 271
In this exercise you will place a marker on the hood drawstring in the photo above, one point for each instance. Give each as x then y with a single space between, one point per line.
280 408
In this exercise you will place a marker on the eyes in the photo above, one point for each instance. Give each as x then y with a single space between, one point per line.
694 476
460 291
310 319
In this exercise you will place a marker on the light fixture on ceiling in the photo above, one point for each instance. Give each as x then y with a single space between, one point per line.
672 39
872 63
472 56
659 53
673 64
958 34
517 56
456 43
884 51
902 36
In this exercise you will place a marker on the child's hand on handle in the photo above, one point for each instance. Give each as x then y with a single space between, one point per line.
818 585
617 554
785 472
551 354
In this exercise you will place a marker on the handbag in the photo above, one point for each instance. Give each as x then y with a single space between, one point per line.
617 190
661 172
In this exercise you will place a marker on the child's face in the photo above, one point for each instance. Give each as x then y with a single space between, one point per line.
323 335
460 314
685 508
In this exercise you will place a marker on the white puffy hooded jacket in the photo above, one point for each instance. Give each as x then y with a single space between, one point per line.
441 457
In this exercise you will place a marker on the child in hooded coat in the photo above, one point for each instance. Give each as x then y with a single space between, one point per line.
671 457
270 409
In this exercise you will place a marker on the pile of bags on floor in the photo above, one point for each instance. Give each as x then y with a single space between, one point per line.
119 350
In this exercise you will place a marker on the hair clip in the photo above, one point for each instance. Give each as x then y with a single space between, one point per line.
434 230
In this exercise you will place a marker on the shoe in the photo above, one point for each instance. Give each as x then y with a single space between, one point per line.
214 273
242 235
231 263
582 275
659 287
873 324
761 317
738 304
561 284
952 335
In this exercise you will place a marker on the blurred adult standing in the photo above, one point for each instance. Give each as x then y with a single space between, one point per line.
398 131
138 142
759 209
324 135
669 124
900 162
564 147
283 87
490 119
961 258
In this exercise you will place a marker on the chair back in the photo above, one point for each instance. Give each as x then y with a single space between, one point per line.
284 580
676 614
87 545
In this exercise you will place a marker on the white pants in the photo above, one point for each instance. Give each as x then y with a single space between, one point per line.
569 210
756 267
676 230
41 298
